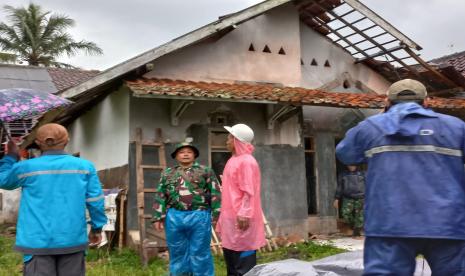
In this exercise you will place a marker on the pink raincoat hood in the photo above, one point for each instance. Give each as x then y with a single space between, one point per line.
241 148
241 197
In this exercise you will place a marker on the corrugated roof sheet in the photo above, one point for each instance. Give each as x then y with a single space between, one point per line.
266 92
16 76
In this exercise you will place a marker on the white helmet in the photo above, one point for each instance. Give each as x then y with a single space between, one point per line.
242 132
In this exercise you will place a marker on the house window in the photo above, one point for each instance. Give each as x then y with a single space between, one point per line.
219 154
311 176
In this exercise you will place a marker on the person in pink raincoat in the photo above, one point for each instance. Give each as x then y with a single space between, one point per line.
241 217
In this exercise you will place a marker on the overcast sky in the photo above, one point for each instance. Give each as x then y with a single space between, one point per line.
124 29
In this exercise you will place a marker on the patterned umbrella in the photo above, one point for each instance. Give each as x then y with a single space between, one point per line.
20 103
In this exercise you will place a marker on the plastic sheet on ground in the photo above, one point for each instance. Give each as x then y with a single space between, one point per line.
344 264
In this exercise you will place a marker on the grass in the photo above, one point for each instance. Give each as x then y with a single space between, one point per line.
104 263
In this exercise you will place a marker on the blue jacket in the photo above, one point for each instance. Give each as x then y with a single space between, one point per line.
56 189
415 185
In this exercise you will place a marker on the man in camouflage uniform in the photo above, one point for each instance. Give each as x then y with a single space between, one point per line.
187 197
351 190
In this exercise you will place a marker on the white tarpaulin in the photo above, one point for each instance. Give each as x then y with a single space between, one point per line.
344 264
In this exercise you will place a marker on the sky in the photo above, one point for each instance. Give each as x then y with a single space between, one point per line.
124 29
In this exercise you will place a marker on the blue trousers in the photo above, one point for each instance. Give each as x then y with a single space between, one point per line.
188 235
397 256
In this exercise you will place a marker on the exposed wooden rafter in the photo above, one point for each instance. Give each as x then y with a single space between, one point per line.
385 49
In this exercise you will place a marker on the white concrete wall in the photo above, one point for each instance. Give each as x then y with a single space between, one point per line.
150 114
286 132
102 134
315 46
228 59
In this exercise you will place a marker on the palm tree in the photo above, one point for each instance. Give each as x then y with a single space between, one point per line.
39 38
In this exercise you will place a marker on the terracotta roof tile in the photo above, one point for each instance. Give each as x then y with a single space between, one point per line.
265 92
64 78
457 60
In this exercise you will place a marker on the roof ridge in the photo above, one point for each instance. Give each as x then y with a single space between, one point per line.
71 69
448 57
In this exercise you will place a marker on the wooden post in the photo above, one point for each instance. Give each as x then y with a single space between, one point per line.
140 196
269 234
121 220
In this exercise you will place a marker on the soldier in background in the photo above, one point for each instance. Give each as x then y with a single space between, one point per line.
351 192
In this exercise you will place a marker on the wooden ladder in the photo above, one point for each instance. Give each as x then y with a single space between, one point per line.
143 214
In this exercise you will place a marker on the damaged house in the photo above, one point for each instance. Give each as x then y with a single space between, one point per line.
299 72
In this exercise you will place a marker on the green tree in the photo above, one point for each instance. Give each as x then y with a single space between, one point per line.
38 38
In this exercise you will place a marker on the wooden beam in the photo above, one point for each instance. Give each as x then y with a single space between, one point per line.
380 53
361 8
374 42
431 68
341 37
372 47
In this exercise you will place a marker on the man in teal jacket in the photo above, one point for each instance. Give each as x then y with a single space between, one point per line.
56 190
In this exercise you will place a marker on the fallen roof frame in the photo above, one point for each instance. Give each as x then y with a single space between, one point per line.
392 49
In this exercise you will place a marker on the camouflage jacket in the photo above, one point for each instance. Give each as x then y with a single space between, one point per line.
194 188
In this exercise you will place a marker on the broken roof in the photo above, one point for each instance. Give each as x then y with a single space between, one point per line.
266 93
347 23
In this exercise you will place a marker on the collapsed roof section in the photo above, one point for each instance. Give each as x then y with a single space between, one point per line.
373 41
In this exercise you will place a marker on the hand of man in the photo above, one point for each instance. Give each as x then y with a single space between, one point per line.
12 148
158 226
336 203
95 238
242 223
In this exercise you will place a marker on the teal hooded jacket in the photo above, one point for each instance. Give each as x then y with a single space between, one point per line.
56 190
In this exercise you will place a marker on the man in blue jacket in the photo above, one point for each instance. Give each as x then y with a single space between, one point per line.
56 190
415 184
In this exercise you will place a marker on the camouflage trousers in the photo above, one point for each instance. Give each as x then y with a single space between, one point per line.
352 212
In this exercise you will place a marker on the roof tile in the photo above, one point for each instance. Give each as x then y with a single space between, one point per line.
267 92
457 60
64 78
